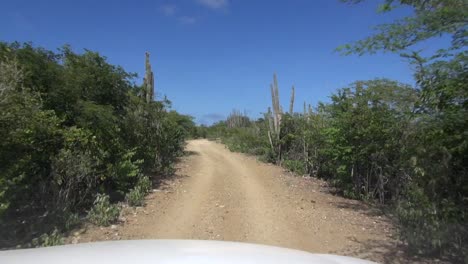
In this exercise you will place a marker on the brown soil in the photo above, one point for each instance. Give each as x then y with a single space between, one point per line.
220 195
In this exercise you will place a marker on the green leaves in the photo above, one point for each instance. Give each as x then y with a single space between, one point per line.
124 171
435 140
71 126
49 240
296 166
103 213
431 19
385 7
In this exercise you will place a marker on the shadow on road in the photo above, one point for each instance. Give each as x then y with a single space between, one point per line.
392 252
190 153
389 250
362 208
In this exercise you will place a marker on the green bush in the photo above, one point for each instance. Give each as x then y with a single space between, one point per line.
135 196
378 141
71 220
296 166
74 171
246 140
103 213
48 240
428 226
73 125
144 183
125 171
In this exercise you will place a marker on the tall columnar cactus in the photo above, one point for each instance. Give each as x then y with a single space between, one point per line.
305 110
148 81
276 106
291 102
237 119
274 119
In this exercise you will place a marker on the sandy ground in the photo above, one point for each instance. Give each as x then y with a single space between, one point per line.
220 195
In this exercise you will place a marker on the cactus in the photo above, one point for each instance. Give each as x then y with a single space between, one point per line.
148 81
305 110
271 127
275 119
237 119
291 103
277 113
269 116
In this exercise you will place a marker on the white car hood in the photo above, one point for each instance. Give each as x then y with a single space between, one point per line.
168 251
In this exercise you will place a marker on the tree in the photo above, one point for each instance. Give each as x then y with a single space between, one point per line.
432 18
433 210
72 126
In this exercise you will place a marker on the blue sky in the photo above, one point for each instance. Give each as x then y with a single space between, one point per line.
211 56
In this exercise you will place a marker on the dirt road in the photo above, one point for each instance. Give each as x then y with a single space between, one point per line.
221 195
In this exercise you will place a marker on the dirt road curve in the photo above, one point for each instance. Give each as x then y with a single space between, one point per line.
221 195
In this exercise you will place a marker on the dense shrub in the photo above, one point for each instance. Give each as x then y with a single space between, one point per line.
376 141
135 196
296 166
72 126
48 240
144 183
103 212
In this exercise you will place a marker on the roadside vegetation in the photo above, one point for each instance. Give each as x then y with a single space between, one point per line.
402 146
78 136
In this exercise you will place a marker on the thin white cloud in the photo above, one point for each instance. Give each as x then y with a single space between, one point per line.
168 10
214 4
187 20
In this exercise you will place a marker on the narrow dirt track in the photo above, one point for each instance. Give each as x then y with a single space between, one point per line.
220 195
